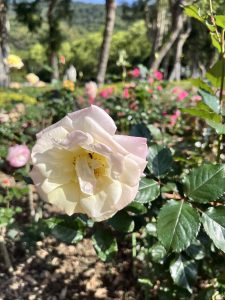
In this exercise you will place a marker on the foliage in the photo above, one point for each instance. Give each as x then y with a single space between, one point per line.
7 97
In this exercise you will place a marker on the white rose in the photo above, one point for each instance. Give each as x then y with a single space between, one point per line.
81 166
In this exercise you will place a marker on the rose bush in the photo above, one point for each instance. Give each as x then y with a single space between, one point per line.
81 166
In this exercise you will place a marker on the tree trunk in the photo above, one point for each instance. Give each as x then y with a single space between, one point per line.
176 72
177 20
107 36
52 53
54 66
157 31
4 28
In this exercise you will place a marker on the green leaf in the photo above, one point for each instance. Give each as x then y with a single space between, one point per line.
177 225
220 20
159 160
193 11
155 132
151 229
105 244
67 229
141 130
210 100
220 128
122 222
196 250
136 208
158 253
214 224
149 190
201 110
214 75
205 183
183 272
197 82
215 41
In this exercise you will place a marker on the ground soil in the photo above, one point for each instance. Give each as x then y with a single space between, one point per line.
56 271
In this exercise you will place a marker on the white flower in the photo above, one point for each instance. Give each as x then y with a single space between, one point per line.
81 166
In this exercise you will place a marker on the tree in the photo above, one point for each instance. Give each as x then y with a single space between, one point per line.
177 22
31 14
176 72
107 36
4 27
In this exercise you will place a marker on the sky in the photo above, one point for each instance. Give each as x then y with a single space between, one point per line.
103 1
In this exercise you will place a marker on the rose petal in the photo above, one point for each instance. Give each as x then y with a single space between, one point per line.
134 145
86 176
97 114
66 197
102 205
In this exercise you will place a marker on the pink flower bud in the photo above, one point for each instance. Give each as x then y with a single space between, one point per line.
18 156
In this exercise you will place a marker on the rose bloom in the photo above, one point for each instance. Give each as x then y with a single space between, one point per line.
126 94
196 98
91 91
32 78
159 88
182 95
68 85
107 92
14 61
18 155
135 72
150 80
175 117
176 90
6 181
158 75
4 117
81 166
62 59
15 85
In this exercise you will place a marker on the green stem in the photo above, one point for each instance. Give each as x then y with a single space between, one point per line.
220 137
134 252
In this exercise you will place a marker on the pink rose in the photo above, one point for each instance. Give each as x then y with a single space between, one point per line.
196 98
150 80
107 92
18 156
159 88
182 95
158 75
176 90
81 166
126 94
175 117
135 72
91 90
